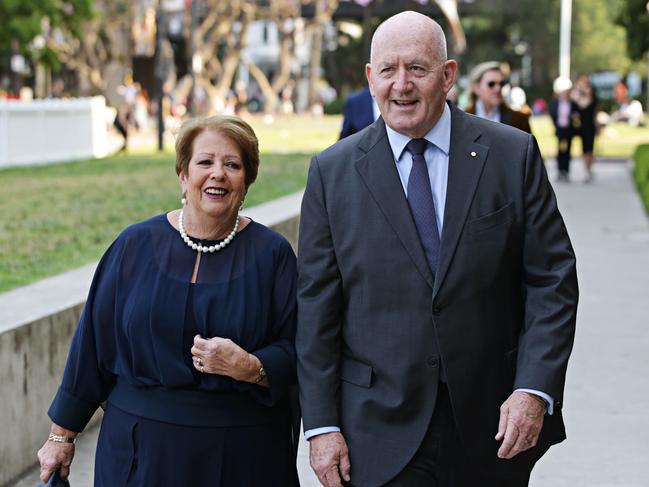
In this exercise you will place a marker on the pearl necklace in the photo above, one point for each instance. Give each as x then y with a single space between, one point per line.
199 247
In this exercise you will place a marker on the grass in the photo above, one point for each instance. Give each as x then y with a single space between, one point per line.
58 217
615 141
62 216
308 134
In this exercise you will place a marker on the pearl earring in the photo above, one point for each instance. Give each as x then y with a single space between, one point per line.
183 200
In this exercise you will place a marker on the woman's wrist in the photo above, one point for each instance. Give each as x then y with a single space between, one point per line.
60 431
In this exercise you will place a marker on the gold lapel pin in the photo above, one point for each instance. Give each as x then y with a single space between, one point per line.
473 154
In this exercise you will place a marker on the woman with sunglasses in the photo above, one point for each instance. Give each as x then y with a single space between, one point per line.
487 81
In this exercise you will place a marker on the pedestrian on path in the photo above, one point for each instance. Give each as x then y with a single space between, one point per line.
565 116
188 336
437 287
585 97
487 83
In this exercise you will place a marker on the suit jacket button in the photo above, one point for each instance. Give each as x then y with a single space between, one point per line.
436 310
433 361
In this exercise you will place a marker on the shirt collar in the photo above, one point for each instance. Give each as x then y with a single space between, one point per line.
481 112
439 135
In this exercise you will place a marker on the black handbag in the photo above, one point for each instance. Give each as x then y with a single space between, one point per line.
55 481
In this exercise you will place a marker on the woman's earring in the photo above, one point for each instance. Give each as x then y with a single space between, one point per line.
241 204
183 200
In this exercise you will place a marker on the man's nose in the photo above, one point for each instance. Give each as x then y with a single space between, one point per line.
402 81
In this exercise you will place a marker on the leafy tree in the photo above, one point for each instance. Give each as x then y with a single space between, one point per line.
633 15
89 47
24 20
598 44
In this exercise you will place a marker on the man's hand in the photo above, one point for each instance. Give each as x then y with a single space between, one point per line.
521 419
330 459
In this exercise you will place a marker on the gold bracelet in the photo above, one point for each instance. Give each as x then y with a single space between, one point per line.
261 375
60 439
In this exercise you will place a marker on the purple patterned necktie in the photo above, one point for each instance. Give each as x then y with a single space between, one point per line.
422 206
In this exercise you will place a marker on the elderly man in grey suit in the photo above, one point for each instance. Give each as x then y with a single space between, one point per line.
437 288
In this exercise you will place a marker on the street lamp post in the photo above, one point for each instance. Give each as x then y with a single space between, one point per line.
191 56
564 38
159 72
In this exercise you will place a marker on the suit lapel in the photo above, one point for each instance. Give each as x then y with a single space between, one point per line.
377 170
466 160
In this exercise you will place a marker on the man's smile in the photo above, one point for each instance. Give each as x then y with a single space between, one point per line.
404 103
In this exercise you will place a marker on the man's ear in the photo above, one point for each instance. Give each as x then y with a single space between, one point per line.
450 74
368 73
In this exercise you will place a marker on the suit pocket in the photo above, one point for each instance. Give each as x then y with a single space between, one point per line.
355 372
497 218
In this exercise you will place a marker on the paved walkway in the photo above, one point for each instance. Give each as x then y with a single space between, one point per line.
607 391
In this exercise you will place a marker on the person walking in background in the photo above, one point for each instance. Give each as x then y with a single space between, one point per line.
620 92
359 111
437 289
188 336
125 117
565 116
487 81
122 122
585 97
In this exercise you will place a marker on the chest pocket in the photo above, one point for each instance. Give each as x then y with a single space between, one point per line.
496 219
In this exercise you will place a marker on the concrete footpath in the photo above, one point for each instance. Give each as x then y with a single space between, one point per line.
607 390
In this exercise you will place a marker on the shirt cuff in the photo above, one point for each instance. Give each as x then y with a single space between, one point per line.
308 434
549 402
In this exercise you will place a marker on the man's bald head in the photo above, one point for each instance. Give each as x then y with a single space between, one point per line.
413 24
408 74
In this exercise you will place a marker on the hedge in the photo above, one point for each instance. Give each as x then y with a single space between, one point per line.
641 172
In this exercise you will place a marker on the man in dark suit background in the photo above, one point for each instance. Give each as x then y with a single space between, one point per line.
358 112
486 101
437 288
565 117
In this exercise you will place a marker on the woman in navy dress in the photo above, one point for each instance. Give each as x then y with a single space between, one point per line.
187 336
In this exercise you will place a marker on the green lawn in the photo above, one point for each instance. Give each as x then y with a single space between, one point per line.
61 216
615 141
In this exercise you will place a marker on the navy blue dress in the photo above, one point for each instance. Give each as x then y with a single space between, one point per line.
166 423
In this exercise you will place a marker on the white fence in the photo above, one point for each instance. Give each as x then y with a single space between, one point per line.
44 131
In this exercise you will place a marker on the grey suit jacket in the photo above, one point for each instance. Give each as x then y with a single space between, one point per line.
374 325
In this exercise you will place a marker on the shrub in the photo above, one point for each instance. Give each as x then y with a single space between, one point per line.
641 172
335 106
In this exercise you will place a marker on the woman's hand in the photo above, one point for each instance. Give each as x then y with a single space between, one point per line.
224 357
54 455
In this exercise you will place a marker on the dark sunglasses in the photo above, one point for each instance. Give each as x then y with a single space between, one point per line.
491 84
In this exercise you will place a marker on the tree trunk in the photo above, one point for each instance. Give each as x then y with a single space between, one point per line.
270 95
314 65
